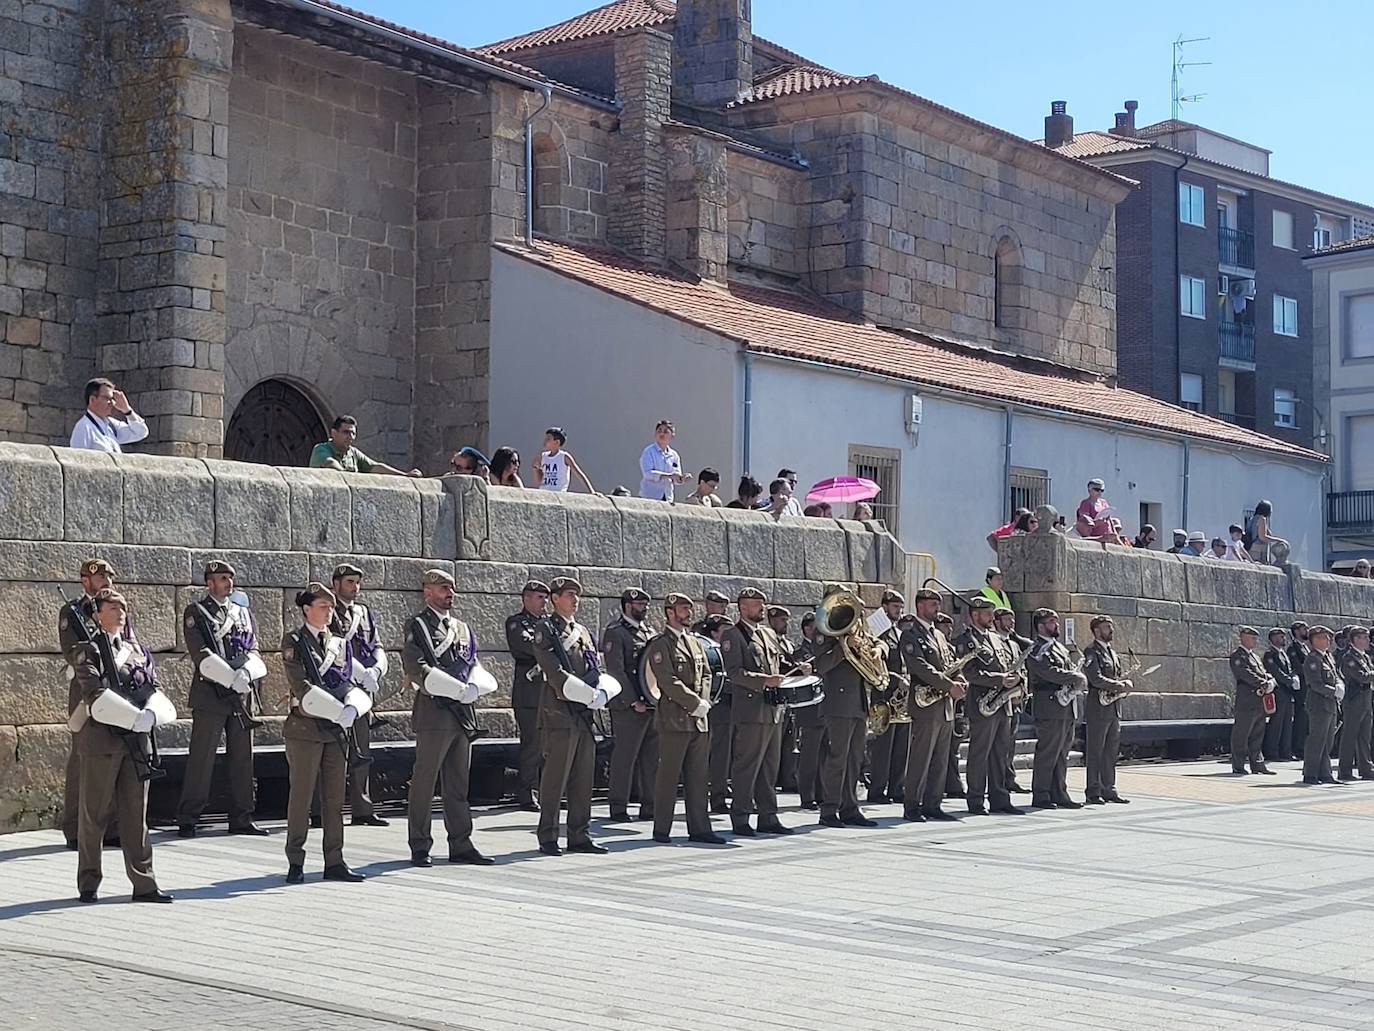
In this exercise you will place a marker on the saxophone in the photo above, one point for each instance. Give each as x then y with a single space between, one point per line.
991 701
1111 697
1064 695
927 695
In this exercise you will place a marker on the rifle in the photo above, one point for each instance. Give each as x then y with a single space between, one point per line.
374 718
579 712
241 712
465 713
345 739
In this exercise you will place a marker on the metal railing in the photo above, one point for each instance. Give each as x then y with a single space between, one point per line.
1237 341
1237 247
920 566
1236 419
1350 508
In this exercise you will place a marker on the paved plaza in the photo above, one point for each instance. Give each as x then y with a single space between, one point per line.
1211 902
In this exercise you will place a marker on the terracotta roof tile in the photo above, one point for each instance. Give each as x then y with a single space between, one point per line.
800 325
604 21
799 78
1094 144
1359 243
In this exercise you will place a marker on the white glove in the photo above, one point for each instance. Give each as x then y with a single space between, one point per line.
703 707
242 684
470 694
1295 684
372 680
599 699
347 717
144 722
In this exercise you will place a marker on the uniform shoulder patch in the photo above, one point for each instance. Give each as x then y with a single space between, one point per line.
658 657
725 645
608 646
66 622
190 621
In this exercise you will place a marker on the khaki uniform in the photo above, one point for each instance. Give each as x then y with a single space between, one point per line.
566 728
1298 651
1320 679
787 754
887 753
109 781
444 730
1357 670
1020 645
1050 667
1247 732
1278 732
634 759
313 755
845 711
678 664
752 654
525 694
989 736
215 710
927 654
1102 666
810 725
69 635
362 647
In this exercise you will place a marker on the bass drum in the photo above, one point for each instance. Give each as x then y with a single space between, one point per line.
717 664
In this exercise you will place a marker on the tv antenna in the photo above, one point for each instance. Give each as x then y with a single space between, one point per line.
1179 65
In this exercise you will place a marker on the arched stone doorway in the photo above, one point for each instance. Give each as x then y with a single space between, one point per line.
274 424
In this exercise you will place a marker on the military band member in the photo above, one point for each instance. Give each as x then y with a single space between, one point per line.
634 758
119 692
927 653
887 752
1298 650
990 742
778 618
753 660
222 642
1357 670
441 661
1324 688
810 725
527 688
682 685
567 655
954 787
353 622
1278 732
1102 666
1051 669
1004 619
326 707
1252 683
76 623
722 729
845 711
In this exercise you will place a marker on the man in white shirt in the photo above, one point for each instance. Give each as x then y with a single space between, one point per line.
793 506
98 430
660 468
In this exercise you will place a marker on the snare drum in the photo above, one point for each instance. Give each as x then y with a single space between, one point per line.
797 692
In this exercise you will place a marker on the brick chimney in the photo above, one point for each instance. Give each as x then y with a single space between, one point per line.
713 52
1125 120
1058 124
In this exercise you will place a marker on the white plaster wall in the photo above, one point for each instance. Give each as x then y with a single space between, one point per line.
1352 381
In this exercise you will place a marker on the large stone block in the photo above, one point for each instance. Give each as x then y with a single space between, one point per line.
1315 592
609 583
33 689
490 577
252 506
749 538
1212 640
861 545
167 500
593 531
1212 674
258 568
1142 705
152 610
322 568
526 526
646 533
1150 608
321 511
827 551
1196 706
1041 561
31 494
93 496
1102 605
386 515
469 496
392 611
793 593
1166 637
789 549
438 520
32 796
486 615
1357 598
700 540
29 612
891 558
659 584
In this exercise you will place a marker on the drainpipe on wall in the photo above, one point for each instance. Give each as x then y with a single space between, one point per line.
1187 459
528 128
748 406
1006 466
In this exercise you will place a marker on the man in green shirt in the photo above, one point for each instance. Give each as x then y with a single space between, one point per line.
994 590
339 453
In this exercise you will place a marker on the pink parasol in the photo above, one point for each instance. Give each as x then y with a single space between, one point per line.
841 489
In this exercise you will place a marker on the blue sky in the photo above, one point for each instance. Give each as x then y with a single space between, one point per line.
1295 78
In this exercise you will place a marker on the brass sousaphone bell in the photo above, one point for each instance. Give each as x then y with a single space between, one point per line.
841 615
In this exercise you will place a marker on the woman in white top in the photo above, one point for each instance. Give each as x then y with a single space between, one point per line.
556 465
1235 550
660 468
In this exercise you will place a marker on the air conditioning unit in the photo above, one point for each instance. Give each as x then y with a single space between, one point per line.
1224 284
1243 288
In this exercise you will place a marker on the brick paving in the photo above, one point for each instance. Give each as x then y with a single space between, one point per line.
1211 902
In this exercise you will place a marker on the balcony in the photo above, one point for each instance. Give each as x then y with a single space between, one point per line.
1237 247
1237 419
1237 340
1350 510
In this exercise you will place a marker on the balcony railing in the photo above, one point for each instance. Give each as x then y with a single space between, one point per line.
1350 509
1237 247
1237 419
1237 341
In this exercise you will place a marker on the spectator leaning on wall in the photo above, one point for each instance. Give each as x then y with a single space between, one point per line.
98 429
339 453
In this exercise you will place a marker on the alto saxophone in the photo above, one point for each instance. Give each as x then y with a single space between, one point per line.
1064 695
1112 696
991 701
927 695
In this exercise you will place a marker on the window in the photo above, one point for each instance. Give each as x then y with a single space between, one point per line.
1283 229
882 465
1192 296
1226 393
1321 237
1359 326
1029 488
1190 391
1359 452
1285 408
1285 316
1190 204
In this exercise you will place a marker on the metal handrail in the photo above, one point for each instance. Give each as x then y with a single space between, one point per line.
954 596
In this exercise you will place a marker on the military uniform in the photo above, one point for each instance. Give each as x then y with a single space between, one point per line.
722 730
634 759
1102 666
989 736
1020 645
677 662
1247 732
845 711
810 736
927 654
1050 667
1324 687
1297 655
887 753
1278 732
787 755
527 688
76 623
1357 670
354 623
752 654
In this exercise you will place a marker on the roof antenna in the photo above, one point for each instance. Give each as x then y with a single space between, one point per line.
1179 65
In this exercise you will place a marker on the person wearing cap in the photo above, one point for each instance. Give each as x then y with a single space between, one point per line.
1180 542
1196 545
338 452
635 756
1298 650
993 589
845 711
778 618
1049 668
678 676
568 656
468 461
1004 622
1357 716
527 687
927 653
722 727
753 663
1325 690
1102 740
887 751
990 743
75 624
1278 730
326 706
1090 521
954 786
354 624
441 659
810 725
221 640
118 756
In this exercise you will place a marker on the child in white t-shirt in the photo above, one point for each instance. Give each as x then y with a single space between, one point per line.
555 464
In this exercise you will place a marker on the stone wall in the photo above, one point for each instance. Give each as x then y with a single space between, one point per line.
159 519
1180 612
765 228
571 155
